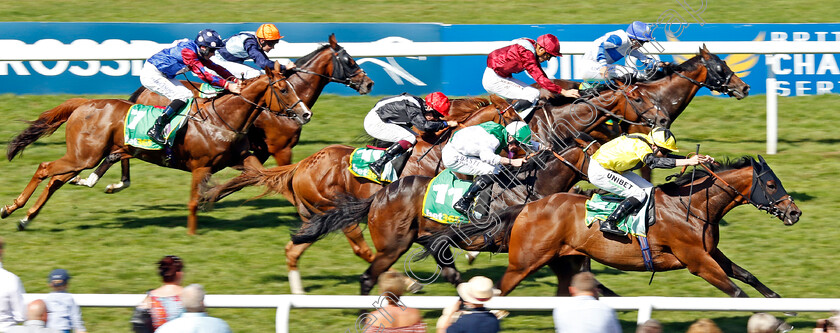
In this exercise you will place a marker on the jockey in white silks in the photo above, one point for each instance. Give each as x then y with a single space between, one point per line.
599 63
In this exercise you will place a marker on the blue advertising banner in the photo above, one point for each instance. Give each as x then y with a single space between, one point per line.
797 74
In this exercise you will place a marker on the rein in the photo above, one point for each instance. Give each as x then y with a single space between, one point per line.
721 82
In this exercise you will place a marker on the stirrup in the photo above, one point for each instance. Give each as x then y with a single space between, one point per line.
376 169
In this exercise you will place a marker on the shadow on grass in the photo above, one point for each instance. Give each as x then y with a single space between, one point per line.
800 196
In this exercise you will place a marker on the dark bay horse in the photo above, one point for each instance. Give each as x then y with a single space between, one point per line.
395 213
214 138
545 231
272 135
318 182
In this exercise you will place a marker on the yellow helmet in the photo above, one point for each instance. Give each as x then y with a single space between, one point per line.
268 32
663 138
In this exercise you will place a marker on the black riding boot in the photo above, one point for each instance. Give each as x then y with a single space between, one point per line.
393 151
480 183
156 132
521 107
624 208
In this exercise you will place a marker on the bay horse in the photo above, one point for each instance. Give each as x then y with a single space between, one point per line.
318 182
271 135
543 232
395 212
214 138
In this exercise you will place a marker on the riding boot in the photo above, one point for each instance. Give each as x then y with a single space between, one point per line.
393 151
156 132
610 225
481 182
523 108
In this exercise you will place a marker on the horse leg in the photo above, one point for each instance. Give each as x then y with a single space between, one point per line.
564 268
45 170
94 177
382 261
521 263
54 184
199 175
283 156
735 271
701 263
356 238
586 266
293 253
125 179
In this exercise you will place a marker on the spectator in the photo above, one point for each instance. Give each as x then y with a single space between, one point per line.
704 325
828 325
468 314
765 323
394 317
583 313
65 315
164 302
11 296
37 323
195 320
650 326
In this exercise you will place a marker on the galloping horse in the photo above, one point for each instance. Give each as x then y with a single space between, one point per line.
545 231
395 213
317 182
272 135
214 138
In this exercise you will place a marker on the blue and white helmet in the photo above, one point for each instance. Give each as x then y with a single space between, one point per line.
209 38
640 31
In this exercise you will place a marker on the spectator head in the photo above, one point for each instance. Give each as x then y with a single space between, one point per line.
650 326
477 290
2 244
583 284
392 282
58 277
37 310
193 298
765 323
704 325
171 269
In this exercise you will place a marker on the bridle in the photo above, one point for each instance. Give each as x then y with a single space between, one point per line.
343 69
718 82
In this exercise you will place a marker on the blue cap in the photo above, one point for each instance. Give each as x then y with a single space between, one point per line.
58 274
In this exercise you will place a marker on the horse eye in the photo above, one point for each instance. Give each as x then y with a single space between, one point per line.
771 185
283 91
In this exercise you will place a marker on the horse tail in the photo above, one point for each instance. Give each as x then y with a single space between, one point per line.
46 124
276 180
494 230
347 213
136 94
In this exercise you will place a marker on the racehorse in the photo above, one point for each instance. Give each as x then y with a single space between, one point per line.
214 138
395 213
271 135
317 182
544 232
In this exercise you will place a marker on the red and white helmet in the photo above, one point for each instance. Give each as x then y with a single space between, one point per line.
438 101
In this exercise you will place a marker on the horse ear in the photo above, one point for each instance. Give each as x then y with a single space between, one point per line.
705 49
333 42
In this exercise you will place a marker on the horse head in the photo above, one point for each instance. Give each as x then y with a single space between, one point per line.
768 194
345 70
281 97
720 78
646 111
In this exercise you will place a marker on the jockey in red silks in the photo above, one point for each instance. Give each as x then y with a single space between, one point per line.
524 54
158 74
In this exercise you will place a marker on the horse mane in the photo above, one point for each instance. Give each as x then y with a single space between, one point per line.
466 107
688 65
726 164
303 60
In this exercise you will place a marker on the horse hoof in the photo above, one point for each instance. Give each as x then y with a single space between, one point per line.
415 287
75 180
791 314
22 224
4 212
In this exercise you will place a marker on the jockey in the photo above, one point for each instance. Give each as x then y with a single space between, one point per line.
250 45
158 74
616 161
598 62
475 151
392 117
524 54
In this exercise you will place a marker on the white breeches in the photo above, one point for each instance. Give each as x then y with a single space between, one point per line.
385 131
591 70
235 68
467 165
627 184
154 80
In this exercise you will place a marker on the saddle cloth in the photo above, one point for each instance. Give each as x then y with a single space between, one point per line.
599 207
140 118
443 191
360 160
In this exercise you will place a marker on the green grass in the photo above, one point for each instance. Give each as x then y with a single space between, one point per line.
110 242
444 11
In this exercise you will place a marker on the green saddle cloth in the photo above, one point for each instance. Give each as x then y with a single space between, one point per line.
140 118
443 191
360 161
207 90
599 207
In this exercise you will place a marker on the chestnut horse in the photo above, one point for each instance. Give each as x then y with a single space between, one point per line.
545 231
271 135
214 138
317 182
395 213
